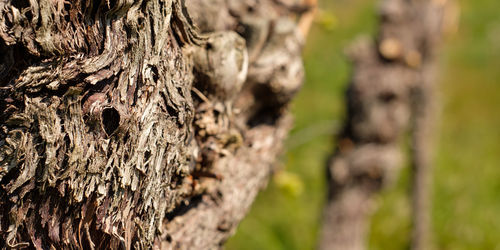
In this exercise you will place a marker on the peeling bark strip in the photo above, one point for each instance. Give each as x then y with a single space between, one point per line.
380 100
123 126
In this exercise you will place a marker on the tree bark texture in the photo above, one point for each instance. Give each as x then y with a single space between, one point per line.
129 124
390 88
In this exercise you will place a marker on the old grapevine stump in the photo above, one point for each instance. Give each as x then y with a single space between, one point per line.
123 125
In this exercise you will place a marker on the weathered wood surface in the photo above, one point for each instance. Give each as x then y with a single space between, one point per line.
390 87
123 125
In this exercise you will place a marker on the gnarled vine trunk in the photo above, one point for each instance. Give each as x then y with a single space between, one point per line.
127 124
391 88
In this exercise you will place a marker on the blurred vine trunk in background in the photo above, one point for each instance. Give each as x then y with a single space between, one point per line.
390 92
130 124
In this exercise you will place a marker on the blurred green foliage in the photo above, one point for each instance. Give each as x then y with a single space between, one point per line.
466 198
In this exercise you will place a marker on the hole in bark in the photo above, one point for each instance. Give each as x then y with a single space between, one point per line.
110 120
147 155
28 15
171 111
140 22
155 73
387 97
67 8
67 141
169 238
268 111
216 113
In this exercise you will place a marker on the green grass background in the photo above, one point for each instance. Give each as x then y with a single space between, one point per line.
466 189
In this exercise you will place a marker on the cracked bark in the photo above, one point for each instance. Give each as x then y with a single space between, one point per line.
125 126
391 89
